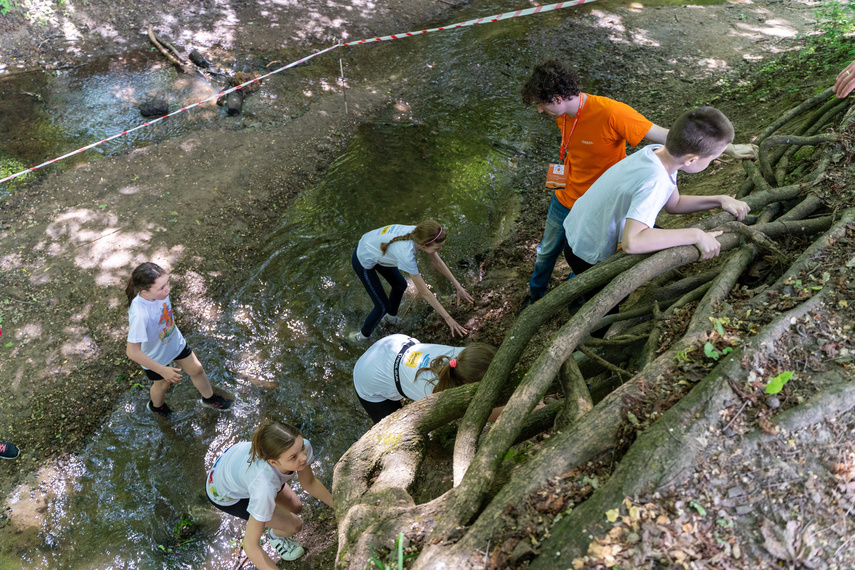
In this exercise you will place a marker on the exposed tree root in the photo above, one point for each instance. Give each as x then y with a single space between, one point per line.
662 452
372 481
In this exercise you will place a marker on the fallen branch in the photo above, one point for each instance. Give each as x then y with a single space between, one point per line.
164 51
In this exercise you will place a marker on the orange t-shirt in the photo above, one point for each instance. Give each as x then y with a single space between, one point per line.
597 143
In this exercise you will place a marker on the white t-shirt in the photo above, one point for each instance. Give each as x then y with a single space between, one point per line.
637 187
233 478
401 254
374 376
151 323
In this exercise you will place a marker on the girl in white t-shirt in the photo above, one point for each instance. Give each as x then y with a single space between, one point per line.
386 252
422 369
154 341
250 480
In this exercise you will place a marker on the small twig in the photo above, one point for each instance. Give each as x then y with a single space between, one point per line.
758 238
604 363
36 95
736 415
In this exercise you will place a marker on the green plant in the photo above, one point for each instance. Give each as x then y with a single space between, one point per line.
6 5
776 384
396 557
711 352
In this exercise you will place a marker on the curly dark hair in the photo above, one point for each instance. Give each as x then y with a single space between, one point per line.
550 80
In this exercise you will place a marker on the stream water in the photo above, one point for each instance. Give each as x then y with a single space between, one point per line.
276 341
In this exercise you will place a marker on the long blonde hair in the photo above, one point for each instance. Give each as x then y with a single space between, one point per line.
271 439
470 366
428 231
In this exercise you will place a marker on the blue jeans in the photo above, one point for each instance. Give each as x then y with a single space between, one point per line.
550 248
382 303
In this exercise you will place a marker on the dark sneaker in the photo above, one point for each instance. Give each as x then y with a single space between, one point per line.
9 450
163 411
217 402
527 302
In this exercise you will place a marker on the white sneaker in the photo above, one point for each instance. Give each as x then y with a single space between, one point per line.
390 320
288 548
356 336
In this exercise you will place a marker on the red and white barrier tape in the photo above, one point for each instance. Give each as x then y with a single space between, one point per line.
484 20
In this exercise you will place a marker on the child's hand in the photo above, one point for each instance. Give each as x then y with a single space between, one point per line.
742 151
455 327
708 245
172 375
463 294
845 81
737 208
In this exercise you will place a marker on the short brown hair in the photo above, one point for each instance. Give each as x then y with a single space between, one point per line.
701 131
550 80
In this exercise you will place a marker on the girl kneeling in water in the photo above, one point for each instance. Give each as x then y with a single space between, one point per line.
250 480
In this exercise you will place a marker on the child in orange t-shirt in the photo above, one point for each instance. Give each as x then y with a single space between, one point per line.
594 133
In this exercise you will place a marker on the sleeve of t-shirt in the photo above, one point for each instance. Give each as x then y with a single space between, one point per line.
647 202
262 493
629 123
136 326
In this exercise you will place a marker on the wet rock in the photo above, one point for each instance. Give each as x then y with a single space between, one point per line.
199 59
154 108
234 103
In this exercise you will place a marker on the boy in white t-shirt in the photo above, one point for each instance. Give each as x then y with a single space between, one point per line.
621 206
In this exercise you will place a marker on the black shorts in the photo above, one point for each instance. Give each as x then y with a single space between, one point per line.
185 352
238 509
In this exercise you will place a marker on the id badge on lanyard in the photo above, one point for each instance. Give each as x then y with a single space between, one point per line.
556 175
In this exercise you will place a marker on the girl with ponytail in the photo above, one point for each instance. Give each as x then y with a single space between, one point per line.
387 251
250 480
154 341
420 369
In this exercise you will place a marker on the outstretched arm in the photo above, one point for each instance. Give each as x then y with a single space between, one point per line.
440 266
682 204
256 555
658 134
639 238
423 290
314 486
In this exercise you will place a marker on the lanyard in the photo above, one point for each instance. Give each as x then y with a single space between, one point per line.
565 141
398 359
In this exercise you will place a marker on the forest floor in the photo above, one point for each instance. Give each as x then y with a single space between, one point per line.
63 270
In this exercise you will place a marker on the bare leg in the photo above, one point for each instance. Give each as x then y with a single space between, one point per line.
157 392
193 368
285 521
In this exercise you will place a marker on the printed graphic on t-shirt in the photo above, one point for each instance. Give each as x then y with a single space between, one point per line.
413 359
168 324
385 230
